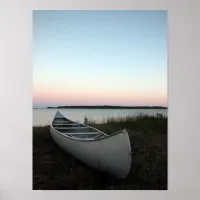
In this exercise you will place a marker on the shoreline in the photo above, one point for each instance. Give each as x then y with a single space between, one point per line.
105 107
108 107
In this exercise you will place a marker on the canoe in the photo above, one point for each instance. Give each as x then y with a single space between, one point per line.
107 153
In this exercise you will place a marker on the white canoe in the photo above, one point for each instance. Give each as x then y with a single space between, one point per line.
107 153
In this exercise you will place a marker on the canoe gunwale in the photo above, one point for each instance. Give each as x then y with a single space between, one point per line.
82 140
92 140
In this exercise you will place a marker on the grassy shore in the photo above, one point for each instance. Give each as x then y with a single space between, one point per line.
55 170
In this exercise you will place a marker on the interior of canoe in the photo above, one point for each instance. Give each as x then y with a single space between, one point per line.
76 130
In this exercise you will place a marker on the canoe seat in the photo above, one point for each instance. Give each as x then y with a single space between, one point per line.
66 124
54 122
86 135
86 139
83 133
71 127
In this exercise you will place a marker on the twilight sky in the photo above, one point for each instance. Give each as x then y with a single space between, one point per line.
99 58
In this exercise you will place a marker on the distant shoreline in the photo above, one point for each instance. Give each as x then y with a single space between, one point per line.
108 107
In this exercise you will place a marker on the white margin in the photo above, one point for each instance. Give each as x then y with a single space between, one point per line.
16 98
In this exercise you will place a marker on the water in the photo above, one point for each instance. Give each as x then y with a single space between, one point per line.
42 117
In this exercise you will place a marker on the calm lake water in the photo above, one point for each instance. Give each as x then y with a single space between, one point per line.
42 117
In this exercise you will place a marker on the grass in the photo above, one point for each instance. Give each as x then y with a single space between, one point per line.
55 170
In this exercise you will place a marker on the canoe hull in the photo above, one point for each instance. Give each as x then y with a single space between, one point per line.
111 154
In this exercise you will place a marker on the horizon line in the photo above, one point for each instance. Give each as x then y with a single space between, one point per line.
61 106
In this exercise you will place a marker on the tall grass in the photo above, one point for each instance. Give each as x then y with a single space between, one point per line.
144 123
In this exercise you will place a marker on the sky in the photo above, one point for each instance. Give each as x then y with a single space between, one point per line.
99 58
